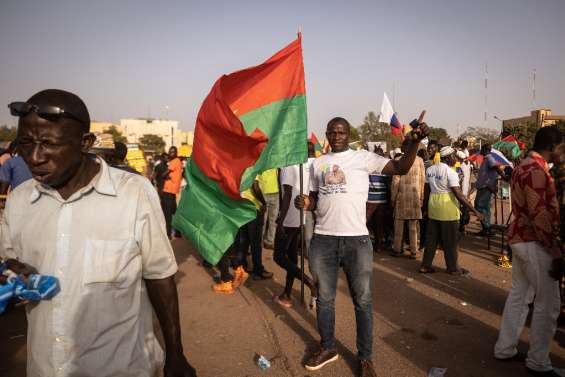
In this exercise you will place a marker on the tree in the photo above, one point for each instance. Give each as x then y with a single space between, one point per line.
116 134
523 131
485 135
354 136
8 133
438 133
560 125
150 142
373 130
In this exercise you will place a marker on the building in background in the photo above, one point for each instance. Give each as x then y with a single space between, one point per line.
537 118
101 127
134 129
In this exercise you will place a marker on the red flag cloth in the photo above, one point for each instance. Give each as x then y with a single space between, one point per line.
314 139
477 158
512 139
220 134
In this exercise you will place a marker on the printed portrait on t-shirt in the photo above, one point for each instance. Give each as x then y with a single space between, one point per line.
335 176
333 180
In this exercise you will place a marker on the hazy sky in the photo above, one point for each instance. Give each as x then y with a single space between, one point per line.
129 58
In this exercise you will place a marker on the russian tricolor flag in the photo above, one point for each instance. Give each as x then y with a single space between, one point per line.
500 158
389 116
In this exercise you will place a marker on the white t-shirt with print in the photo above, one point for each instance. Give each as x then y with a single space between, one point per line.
441 178
342 182
291 176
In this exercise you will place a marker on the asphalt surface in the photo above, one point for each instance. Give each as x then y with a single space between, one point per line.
420 321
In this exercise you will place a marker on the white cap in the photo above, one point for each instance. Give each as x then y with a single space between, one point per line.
461 155
446 151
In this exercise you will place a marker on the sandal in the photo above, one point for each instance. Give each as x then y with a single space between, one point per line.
282 302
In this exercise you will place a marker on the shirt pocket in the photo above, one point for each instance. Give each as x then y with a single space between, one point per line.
116 262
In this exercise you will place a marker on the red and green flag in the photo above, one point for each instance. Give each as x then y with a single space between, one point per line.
251 121
317 147
510 146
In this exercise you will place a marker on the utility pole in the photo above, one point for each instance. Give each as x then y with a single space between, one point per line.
534 89
486 92
394 96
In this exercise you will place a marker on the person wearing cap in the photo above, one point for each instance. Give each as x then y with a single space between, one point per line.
445 195
101 233
407 195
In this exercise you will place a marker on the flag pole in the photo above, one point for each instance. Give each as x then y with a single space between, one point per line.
301 174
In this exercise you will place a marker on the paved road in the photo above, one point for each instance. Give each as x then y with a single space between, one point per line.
421 321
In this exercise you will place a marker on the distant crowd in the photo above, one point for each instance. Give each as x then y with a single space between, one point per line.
78 213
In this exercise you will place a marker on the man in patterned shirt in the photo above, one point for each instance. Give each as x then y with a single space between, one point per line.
537 262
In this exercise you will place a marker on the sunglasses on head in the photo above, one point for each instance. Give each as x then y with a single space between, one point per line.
51 113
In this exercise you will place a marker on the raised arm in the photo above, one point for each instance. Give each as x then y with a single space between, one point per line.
403 165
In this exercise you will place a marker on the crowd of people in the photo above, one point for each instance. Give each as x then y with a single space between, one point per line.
337 210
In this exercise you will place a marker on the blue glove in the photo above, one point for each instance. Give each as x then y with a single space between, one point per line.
38 287
6 294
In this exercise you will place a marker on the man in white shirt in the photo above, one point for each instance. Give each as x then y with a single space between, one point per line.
338 194
101 232
288 237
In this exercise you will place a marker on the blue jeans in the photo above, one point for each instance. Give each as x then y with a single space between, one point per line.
355 255
482 204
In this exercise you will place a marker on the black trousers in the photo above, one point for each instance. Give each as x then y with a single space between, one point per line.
446 232
169 206
250 237
381 224
286 253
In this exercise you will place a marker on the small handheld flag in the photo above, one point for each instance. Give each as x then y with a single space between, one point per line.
317 147
389 116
